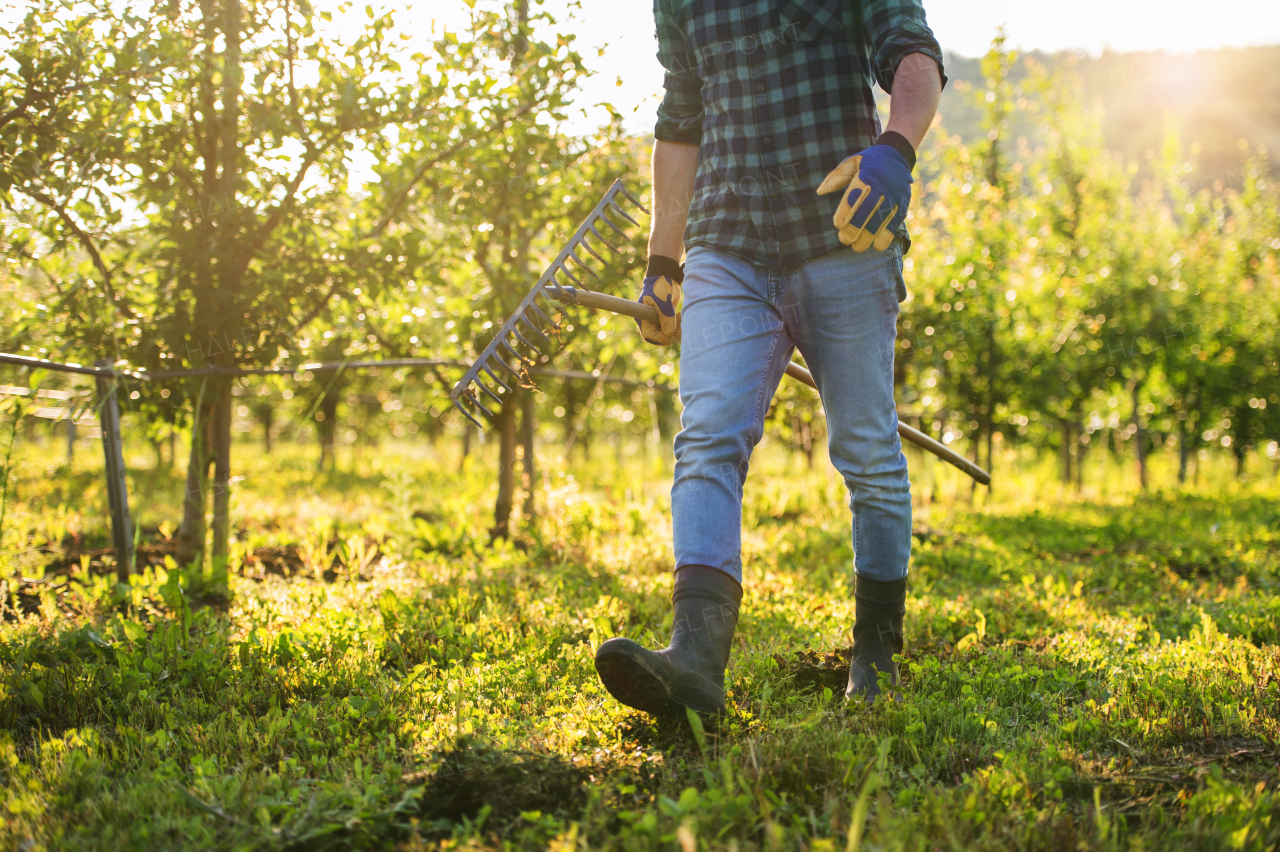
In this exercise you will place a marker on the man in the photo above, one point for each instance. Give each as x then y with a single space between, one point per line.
768 106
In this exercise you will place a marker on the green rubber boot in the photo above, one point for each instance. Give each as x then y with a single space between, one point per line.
689 672
877 635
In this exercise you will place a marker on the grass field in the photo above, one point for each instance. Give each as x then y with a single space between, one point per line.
1093 671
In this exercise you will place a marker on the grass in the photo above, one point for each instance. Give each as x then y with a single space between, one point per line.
1081 672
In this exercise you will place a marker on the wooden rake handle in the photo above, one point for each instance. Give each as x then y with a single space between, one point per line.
635 310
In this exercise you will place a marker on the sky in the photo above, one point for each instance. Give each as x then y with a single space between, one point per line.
629 77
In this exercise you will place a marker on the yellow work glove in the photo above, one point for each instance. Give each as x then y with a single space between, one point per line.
876 191
661 290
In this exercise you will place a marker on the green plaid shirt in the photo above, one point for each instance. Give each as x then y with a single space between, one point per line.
777 93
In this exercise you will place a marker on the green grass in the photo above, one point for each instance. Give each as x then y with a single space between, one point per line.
1081 672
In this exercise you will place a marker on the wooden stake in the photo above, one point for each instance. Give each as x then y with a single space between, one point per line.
117 486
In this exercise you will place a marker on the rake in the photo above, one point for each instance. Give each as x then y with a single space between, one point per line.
513 353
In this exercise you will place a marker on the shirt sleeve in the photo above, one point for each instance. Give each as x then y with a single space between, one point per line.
895 28
680 113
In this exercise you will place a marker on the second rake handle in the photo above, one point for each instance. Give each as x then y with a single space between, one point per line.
635 310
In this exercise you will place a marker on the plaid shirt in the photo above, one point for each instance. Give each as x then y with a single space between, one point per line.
777 93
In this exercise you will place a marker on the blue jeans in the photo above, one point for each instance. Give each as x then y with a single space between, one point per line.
740 325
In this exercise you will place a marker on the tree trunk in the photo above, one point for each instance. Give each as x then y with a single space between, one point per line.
991 462
221 483
327 427
1080 448
191 534
1140 438
506 425
528 432
71 441
975 441
1184 452
1064 450
468 432
266 416
570 412
989 415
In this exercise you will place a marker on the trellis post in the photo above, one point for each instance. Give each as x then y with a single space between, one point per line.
117 487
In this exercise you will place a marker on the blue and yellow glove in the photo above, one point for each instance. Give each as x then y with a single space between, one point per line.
878 192
661 290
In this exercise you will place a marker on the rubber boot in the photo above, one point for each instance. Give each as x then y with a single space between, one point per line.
690 671
877 635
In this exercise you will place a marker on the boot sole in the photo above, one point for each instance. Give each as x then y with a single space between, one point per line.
626 671
630 680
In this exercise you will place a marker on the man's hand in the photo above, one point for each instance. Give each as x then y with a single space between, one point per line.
877 192
662 291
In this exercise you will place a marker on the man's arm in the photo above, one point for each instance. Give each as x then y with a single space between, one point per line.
917 88
674 167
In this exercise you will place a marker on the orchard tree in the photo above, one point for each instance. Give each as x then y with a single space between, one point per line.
514 201
233 161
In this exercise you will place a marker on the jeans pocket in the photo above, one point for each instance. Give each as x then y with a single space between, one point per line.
896 270
810 20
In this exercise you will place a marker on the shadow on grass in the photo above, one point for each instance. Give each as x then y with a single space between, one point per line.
506 794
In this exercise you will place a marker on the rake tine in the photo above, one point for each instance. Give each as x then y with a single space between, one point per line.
540 293
522 375
555 325
583 242
582 265
494 375
610 223
633 199
554 283
562 268
504 365
553 287
518 356
600 236
470 396
517 333
532 328
533 305
467 414
522 379
484 388
614 205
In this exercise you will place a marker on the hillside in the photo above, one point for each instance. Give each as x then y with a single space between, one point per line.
1217 98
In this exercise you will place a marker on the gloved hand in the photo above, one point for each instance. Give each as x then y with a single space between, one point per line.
662 291
878 183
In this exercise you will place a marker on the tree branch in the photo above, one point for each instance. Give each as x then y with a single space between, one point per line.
320 306
20 107
403 196
277 213
87 243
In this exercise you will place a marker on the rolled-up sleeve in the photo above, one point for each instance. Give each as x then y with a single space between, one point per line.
894 29
680 113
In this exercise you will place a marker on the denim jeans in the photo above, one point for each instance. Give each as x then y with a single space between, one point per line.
741 324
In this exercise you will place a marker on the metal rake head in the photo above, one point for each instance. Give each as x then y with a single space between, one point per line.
512 350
